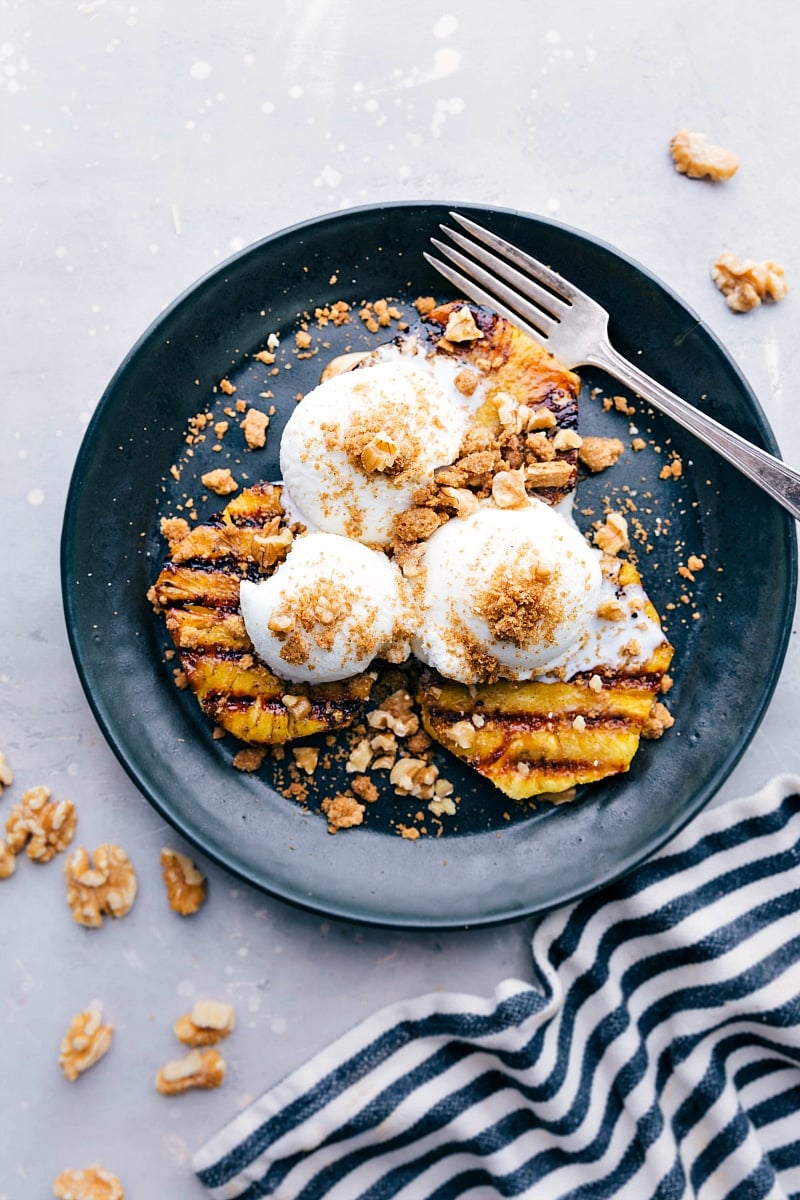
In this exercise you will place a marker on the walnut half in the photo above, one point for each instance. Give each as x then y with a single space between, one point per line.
85 1042
745 284
105 886
46 827
92 1183
697 158
208 1023
186 886
199 1069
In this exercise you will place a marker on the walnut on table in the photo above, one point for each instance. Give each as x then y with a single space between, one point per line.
6 774
186 886
85 1042
697 158
208 1023
8 861
46 827
745 284
199 1069
92 1183
106 885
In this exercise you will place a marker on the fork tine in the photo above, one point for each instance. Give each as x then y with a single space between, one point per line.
468 287
545 322
552 304
560 285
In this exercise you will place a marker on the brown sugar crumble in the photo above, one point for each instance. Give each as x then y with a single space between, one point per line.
220 481
599 453
342 811
254 427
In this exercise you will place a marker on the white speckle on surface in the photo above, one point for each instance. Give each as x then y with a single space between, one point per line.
590 53
153 247
279 1025
552 37
446 61
329 176
186 988
60 252
176 219
236 243
249 60
253 1002
452 107
36 497
553 205
268 107
445 26
200 69
295 91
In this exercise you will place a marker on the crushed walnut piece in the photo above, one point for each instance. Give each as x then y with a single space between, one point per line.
186 886
208 1023
508 489
379 453
254 427
612 536
85 1042
697 158
342 811
219 481
306 758
90 1183
745 284
199 1069
599 453
227 387
659 721
414 777
6 774
461 326
46 827
396 713
104 886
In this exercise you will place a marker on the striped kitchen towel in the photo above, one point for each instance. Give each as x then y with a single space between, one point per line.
656 1053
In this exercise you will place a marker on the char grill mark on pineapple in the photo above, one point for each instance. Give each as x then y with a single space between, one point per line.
536 737
198 589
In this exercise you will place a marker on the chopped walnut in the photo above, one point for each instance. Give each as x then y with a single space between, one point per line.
745 284
199 1069
379 453
508 489
105 886
696 157
567 439
424 305
85 1042
613 535
342 811
186 886
48 828
92 1183
254 427
208 1023
659 721
463 734
461 326
220 481
549 474
306 758
395 713
414 777
599 453
6 774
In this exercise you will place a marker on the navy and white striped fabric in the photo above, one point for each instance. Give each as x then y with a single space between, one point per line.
656 1054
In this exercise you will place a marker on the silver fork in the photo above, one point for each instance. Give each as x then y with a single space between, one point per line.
575 328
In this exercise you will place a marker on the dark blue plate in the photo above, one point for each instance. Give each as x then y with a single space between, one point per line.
495 861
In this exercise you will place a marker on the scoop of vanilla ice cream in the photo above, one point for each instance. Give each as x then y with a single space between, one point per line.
356 447
330 608
506 592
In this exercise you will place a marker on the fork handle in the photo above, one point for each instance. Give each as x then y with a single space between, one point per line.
769 473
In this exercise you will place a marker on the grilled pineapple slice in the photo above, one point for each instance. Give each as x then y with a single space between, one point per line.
198 590
532 738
